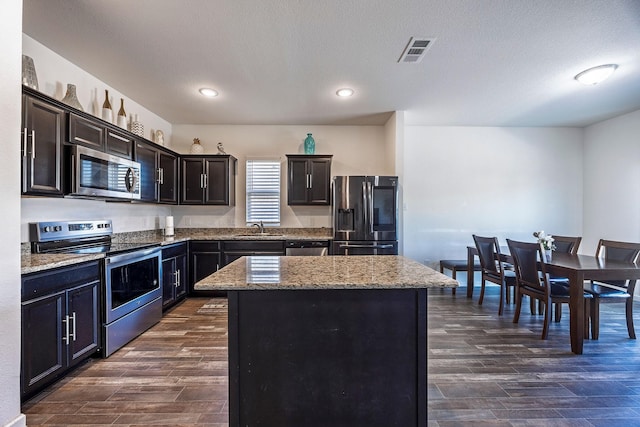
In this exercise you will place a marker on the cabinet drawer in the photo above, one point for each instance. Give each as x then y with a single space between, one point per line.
43 283
86 132
174 250
254 245
204 245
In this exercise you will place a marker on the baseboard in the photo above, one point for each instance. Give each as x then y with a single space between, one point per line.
20 421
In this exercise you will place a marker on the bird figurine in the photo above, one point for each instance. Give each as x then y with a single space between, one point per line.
221 148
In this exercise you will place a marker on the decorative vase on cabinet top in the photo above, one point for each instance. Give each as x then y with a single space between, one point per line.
309 145
136 126
29 77
122 115
107 111
71 98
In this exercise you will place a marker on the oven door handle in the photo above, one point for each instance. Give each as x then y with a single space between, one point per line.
137 254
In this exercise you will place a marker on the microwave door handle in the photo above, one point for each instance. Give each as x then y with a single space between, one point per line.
130 180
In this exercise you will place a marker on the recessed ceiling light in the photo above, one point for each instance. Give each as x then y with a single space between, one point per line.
209 92
595 75
344 92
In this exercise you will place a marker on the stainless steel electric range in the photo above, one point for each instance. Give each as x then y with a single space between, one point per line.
131 275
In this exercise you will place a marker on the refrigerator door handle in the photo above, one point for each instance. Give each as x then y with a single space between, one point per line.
370 196
365 205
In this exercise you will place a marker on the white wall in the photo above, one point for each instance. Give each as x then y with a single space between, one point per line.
10 72
506 182
355 149
55 72
612 181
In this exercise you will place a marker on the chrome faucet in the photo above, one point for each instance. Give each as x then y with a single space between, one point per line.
260 226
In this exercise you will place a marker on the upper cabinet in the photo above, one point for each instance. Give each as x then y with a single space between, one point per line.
308 179
158 173
207 180
99 136
42 134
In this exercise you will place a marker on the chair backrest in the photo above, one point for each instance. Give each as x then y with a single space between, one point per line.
612 250
567 244
528 263
488 252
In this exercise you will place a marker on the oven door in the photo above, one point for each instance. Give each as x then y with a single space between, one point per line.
98 174
132 280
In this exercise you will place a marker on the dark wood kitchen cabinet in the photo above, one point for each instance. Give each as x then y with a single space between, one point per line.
175 275
158 173
43 129
97 134
207 180
204 259
60 323
308 179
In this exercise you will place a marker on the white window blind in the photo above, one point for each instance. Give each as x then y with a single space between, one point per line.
263 191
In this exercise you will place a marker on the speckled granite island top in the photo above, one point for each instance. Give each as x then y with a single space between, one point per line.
324 272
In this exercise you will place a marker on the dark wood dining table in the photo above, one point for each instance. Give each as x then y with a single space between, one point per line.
577 268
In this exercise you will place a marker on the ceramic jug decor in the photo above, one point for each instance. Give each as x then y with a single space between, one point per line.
309 145
71 99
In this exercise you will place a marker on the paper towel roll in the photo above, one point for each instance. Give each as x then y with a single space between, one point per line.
168 226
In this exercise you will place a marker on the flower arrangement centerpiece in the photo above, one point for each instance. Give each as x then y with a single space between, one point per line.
546 240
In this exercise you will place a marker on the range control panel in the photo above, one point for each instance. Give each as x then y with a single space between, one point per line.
63 230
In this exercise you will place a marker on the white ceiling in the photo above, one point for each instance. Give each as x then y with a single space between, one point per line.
492 62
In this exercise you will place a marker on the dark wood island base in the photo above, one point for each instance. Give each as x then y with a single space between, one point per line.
336 341
328 358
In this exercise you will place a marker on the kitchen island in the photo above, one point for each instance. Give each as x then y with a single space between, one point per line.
327 341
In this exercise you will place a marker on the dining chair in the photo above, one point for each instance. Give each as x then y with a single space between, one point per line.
568 245
611 291
493 269
532 280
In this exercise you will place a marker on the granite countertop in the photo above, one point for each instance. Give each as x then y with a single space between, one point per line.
31 263
324 272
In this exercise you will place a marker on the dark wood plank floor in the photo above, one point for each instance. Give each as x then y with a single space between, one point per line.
485 370
175 374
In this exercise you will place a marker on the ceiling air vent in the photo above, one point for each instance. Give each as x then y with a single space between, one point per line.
415 50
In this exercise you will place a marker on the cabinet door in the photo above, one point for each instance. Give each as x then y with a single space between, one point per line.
41 147
202 264
183 276
217 181
297 182
319 192
86 132
147 156
83 311
168 178
192 171
169 280
43 341
119 144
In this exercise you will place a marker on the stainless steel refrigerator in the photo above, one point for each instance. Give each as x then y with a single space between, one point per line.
365 215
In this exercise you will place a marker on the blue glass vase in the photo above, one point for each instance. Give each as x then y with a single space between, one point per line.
309 145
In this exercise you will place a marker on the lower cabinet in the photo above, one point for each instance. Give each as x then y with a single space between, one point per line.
204 259
60 323
175 275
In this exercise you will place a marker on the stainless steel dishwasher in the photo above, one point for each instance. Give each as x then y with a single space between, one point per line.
307 247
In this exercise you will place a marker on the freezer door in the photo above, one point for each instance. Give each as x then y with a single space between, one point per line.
349 208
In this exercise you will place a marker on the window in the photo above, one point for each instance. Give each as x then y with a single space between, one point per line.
263 191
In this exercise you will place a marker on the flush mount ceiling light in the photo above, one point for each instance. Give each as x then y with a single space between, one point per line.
208 92
344 92
595 75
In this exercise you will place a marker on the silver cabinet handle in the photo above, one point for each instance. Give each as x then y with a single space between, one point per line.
74 326
24 143
33 143
161 175
66 328
176 279
206 180
201 180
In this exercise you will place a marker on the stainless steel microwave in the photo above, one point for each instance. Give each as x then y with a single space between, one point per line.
97 174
